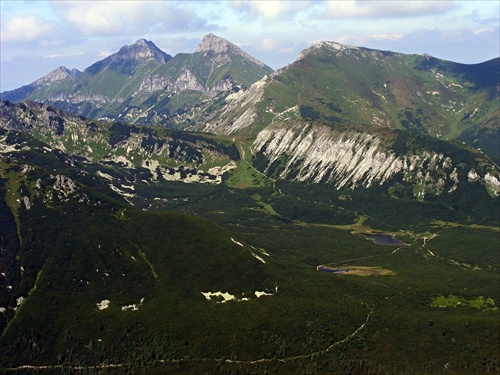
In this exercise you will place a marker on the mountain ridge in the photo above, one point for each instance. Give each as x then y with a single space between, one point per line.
139 52
141 77
346 85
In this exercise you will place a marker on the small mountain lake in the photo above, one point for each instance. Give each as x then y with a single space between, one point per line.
382 239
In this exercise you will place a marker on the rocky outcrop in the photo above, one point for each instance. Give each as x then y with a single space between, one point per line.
83 98
57 75
187 81
219 45
155 83
128 57
28 115
350 159
168 156
239 112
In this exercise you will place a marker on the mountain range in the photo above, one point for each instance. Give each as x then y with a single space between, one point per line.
337 83
141 84
202 213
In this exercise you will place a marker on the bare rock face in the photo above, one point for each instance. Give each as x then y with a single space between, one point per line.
154 83
58 75
27 115
239 111
219 45
188 81
349 158
214 43
142 50
81 98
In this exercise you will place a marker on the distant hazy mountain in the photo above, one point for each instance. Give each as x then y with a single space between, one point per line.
41 84
142 84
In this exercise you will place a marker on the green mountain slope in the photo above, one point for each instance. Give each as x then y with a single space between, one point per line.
69 248
351 86
347 85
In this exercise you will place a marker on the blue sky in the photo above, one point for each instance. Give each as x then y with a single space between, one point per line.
38 36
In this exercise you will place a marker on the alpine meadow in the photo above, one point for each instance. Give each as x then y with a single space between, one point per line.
205 214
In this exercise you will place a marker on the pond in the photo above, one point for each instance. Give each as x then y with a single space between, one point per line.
332 270
382 239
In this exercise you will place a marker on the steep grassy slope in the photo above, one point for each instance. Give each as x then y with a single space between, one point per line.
348 85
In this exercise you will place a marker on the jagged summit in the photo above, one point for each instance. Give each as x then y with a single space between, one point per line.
142 42
129 56
143 49
214 43
332 46
58 74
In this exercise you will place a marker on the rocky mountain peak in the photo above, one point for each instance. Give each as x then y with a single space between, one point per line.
142 42
219 45
58 74
142 49
129 57
214 43
330 46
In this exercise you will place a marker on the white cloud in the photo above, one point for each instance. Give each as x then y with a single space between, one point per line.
478 45
26 28
367 40
386 9
57 56
270 10
109 18
385 36
267 44
104 53
113 18
276 46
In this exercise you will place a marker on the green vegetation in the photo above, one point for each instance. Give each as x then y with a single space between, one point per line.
103 270
91 246
484 304
367 87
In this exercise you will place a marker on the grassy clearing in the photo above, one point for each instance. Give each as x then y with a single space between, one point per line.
266 206
482 303
143 256
446 224
246 175
359 270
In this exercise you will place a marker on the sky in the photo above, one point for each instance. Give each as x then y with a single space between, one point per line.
38 36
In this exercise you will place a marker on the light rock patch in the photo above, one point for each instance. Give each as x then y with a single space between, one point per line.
104 304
